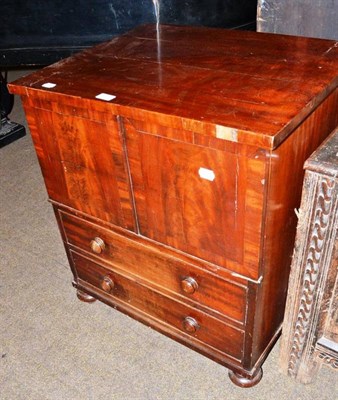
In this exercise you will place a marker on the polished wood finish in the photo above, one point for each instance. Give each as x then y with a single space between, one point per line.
97 245
260 86
175 199
280 219
107 284
189 285
190 325
245 382
85 297
223 295
160 307
310 333
83 169
187 216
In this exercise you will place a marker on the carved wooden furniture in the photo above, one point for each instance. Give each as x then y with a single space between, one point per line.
174 167
310 330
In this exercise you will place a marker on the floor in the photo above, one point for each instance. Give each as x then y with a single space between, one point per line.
52 346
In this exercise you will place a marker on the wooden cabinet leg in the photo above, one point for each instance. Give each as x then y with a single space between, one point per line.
85 296
243 381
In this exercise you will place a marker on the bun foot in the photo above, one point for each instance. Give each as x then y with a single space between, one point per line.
85 297
243 381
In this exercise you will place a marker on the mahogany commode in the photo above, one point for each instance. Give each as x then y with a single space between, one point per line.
174 169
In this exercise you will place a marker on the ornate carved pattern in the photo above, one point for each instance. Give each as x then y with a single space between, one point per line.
318 222
328 359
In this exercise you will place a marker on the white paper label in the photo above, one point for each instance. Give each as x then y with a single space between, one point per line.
207 174
49 85
105 96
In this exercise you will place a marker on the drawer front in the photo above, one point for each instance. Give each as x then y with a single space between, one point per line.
198 325
153 265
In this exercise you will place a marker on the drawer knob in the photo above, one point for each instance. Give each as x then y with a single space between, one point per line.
107 284
97 245
189 285
190 324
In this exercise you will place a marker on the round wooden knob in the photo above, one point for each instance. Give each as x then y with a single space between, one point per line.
190 324
97 245
107 284
189 285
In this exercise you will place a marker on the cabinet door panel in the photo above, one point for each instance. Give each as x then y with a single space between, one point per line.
82 162
197 199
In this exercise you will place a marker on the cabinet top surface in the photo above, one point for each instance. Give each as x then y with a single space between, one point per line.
249 83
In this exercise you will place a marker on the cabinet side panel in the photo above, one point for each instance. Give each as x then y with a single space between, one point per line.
284 195
48 171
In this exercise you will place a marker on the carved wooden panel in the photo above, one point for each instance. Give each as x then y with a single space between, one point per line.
310 325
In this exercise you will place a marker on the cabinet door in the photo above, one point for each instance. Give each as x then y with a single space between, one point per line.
197 199
83 164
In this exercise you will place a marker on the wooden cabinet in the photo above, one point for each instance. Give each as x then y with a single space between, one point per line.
174 167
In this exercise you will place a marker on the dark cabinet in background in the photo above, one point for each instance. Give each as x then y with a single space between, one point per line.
41 32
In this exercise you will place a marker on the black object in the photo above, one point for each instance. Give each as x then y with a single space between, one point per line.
6 99
41 32
9 131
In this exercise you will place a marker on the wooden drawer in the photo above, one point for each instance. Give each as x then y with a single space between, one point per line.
154 265
198 325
